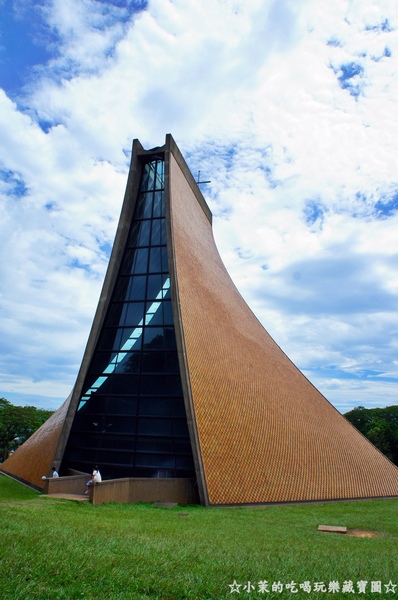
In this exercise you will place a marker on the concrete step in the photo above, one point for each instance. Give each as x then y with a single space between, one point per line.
76 497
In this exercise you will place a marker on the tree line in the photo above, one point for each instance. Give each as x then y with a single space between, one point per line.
17 423
380 426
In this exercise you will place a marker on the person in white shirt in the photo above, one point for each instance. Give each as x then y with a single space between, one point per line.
95 478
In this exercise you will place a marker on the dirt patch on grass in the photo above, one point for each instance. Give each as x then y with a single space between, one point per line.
362 533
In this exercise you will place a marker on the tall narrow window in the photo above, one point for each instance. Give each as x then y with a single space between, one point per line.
131 419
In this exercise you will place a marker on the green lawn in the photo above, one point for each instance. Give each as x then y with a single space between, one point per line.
59 549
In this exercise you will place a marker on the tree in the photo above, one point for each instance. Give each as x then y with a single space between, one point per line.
17 423
380 426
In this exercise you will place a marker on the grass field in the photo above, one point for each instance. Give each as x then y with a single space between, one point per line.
60 549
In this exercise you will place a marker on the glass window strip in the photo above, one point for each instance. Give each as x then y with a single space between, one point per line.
123 340
130 343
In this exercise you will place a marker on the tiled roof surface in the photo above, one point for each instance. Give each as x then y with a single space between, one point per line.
265 433
35 457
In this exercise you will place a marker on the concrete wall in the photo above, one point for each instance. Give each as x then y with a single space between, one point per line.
130 490
75 484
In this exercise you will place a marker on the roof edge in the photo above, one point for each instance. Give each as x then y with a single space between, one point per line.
172 147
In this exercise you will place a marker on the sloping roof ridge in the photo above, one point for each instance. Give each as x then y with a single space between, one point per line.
172 147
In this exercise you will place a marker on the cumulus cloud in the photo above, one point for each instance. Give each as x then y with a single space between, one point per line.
288 107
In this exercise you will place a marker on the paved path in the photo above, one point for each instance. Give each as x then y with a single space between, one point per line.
76 497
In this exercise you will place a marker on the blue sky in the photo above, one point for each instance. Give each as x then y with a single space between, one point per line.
288 107
20 48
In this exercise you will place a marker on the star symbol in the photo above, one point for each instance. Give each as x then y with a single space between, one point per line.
390 587
235 587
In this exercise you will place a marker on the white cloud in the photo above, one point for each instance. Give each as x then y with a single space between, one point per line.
288 107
